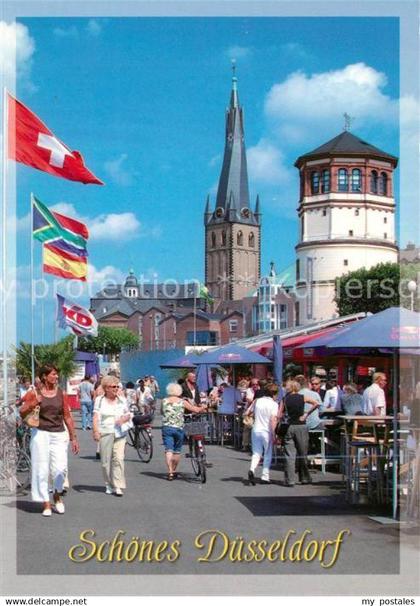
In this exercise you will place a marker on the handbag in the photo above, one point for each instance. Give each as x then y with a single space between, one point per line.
32 418
283 425
248 421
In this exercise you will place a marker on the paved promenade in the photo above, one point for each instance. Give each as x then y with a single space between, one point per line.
157 510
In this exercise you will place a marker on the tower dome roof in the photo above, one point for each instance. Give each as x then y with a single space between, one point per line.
346 144
131 279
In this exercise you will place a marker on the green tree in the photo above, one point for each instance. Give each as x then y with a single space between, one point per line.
368 290
59 354
109 341
411 271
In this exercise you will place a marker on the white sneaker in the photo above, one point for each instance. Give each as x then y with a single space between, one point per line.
108 489
119 492
59 507
47 512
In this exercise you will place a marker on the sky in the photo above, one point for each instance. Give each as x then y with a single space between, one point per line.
144 100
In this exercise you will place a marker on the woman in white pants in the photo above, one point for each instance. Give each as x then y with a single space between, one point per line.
265 411
110 413
49 441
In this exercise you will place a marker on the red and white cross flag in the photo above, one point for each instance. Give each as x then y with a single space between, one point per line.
31 142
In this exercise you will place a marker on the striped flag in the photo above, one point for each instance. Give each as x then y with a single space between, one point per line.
64 232
63 264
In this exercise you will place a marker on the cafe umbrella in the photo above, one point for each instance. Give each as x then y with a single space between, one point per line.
396 330
232 355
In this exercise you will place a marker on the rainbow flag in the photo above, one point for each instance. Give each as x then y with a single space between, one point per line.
63 264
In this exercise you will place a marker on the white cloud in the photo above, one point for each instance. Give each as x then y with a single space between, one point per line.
123 226
16 51
99 277
93 27
238 52
117 172
312 99
66 32
266 163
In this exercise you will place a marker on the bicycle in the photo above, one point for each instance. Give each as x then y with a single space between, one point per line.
195 430
140 436
15 462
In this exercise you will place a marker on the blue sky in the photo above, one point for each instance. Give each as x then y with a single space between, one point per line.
143 99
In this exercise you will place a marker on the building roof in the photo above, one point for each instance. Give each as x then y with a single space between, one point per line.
152 291
410 254
346 144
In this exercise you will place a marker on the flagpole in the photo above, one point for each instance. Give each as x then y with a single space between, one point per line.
4 250
32 295
195 317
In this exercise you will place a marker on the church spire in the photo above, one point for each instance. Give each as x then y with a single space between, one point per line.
233 182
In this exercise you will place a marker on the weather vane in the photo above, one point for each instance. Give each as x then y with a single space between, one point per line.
347 121
233 61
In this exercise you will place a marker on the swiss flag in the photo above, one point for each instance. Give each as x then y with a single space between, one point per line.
32 143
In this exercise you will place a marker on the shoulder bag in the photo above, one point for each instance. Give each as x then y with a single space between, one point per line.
284 424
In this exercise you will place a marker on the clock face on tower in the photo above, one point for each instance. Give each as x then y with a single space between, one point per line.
219 212
245 213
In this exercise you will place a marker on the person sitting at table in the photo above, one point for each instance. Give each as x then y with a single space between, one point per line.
352 402
374 403
332 400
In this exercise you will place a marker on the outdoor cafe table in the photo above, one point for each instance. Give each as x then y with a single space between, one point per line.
351 423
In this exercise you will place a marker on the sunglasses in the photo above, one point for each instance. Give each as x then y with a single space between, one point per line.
113 386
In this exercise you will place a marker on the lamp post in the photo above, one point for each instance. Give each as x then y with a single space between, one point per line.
151 332
412 287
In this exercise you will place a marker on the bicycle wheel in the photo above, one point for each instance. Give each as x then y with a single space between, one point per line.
23 471
200 462
144 445
194 456
131 437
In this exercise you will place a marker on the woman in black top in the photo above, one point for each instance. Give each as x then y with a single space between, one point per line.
296 440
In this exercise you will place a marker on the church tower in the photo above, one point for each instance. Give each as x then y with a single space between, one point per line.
232 229
346 219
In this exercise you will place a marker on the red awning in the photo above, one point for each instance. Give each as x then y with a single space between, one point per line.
290 343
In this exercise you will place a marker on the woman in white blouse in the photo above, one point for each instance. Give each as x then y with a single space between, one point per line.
110 414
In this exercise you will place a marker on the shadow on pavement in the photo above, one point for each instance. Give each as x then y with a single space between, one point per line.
88 488
305 506
182 477
27 506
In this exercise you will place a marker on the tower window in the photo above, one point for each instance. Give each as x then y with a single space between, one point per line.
374 182
346 262
356 212
383 184
324 212
385 236
315 183
297 269
385 220
251 240
356 180
325 183
213 239
223 238
350 232
240 238
343 180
